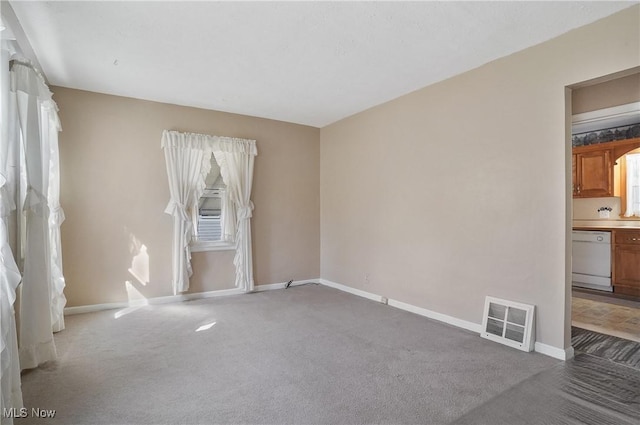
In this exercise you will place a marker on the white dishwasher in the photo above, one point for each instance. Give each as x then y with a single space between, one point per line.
591 260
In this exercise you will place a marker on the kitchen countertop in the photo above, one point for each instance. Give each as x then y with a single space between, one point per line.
606 224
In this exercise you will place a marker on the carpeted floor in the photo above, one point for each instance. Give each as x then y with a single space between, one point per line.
307 354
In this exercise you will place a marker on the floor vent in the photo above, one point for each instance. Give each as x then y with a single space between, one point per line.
508 323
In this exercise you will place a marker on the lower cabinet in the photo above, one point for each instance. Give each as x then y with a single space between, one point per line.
626 262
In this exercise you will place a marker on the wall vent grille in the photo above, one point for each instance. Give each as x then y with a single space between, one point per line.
508 323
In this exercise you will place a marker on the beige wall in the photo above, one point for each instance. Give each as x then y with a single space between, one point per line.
619 91
114 191
460 190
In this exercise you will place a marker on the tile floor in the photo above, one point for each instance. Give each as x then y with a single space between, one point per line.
599 314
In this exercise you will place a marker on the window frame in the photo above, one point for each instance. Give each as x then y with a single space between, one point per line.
205 246
623 184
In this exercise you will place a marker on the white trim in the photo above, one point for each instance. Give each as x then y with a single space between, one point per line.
556 353
354 291
194 296
605 118
204 246
68 311
629 108
92 308
12 23
272 286
474 327
470 326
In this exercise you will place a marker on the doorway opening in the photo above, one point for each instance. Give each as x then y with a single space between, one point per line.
605 117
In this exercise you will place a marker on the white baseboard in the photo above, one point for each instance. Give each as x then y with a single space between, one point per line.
470 326
354 291
177 298
541 348
556 353
195 296
272 286
68 311
475 327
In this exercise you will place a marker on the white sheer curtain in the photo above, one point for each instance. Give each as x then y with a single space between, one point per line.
228 222
633 185
36 344
50 129
236 160
10 392
188 163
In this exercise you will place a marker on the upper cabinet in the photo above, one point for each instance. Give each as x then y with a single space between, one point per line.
593 167
593 174
605 127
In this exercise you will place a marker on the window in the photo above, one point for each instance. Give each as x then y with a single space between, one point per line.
632 183
209 216
189 168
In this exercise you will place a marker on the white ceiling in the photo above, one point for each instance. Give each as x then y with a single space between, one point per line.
311 63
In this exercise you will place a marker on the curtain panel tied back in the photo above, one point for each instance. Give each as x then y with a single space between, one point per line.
188 161
31 280
35 111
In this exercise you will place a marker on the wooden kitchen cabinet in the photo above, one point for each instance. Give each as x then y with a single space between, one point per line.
626 262
593 167
592 173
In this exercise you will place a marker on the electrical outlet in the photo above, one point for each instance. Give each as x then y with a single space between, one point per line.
366 278
384 300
